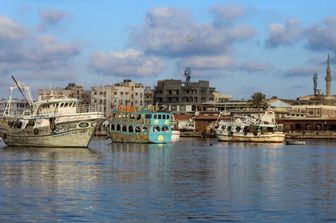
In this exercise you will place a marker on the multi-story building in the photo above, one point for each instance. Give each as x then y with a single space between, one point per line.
182 96
126 93
70 91
149 96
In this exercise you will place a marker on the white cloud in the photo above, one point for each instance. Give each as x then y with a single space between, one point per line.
170 32
207 62
287 34
254 66
224 13
23 51
128 63
10 31
322 36
50 17
301 71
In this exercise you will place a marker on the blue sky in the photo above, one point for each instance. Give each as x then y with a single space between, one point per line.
239 46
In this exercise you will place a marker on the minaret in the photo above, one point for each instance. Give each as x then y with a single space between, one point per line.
328 78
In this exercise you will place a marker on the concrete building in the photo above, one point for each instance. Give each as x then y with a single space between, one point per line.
70 91
149 96
126 93
182 96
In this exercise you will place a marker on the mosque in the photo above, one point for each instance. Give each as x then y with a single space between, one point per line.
313 116
318 97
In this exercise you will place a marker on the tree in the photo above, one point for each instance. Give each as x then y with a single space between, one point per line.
258 100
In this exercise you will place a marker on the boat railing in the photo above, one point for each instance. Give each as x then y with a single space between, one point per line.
14 114
90 108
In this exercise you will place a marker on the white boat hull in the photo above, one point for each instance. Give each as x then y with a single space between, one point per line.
175 134
276 137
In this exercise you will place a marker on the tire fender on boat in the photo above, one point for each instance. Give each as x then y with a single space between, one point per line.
36 131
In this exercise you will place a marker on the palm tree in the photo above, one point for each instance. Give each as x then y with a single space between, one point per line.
258 100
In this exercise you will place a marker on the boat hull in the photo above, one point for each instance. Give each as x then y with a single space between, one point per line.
69 134
277 137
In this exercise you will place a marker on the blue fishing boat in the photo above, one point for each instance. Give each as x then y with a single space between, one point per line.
129 125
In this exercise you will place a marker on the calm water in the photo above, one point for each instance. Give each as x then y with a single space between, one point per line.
190 180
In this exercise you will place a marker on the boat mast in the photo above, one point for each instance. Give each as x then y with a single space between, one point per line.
28 102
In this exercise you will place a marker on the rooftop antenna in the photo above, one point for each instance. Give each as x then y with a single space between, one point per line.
187 70
187 74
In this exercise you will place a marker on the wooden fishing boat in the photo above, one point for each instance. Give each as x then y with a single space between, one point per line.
54 122
249 129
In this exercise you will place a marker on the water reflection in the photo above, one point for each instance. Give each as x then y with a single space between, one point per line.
36 182
188 180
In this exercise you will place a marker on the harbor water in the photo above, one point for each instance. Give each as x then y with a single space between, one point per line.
189 180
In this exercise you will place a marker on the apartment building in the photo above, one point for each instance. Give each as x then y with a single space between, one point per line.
126 93
71 91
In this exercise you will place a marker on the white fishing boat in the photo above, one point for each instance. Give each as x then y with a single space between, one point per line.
175 134
53 122
249 129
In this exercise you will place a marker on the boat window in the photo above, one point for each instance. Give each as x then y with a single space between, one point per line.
144 129
159 116
137 129
130 128
113 127
155 116
223 127
238 128
168 116
124 128
165 128
148 116
66 105
118 127
62 105
163 116
138 116
156 129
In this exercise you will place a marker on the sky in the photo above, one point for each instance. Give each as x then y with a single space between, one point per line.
240 47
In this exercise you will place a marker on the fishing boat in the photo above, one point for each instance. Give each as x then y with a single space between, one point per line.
175 134
250 129
52 122
130 125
